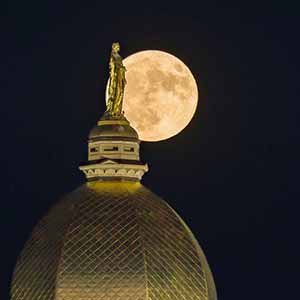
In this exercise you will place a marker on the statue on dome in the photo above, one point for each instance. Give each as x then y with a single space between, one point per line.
116 84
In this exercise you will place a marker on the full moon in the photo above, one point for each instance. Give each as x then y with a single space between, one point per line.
160 96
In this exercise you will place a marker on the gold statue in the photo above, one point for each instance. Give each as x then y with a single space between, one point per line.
117 82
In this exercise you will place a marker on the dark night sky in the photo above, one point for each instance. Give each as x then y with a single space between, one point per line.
226 173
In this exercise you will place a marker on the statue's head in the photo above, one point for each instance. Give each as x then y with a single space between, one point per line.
115 47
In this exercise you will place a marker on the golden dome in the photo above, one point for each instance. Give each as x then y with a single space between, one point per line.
111 240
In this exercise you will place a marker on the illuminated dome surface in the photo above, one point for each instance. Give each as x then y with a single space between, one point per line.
112 240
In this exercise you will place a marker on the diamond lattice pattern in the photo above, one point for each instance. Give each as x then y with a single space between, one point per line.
111 241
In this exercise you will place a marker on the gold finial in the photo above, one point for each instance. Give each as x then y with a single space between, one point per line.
117 82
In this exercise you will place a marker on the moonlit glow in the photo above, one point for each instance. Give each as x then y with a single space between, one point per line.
160 96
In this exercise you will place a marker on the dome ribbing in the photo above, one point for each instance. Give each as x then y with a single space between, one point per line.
112 240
